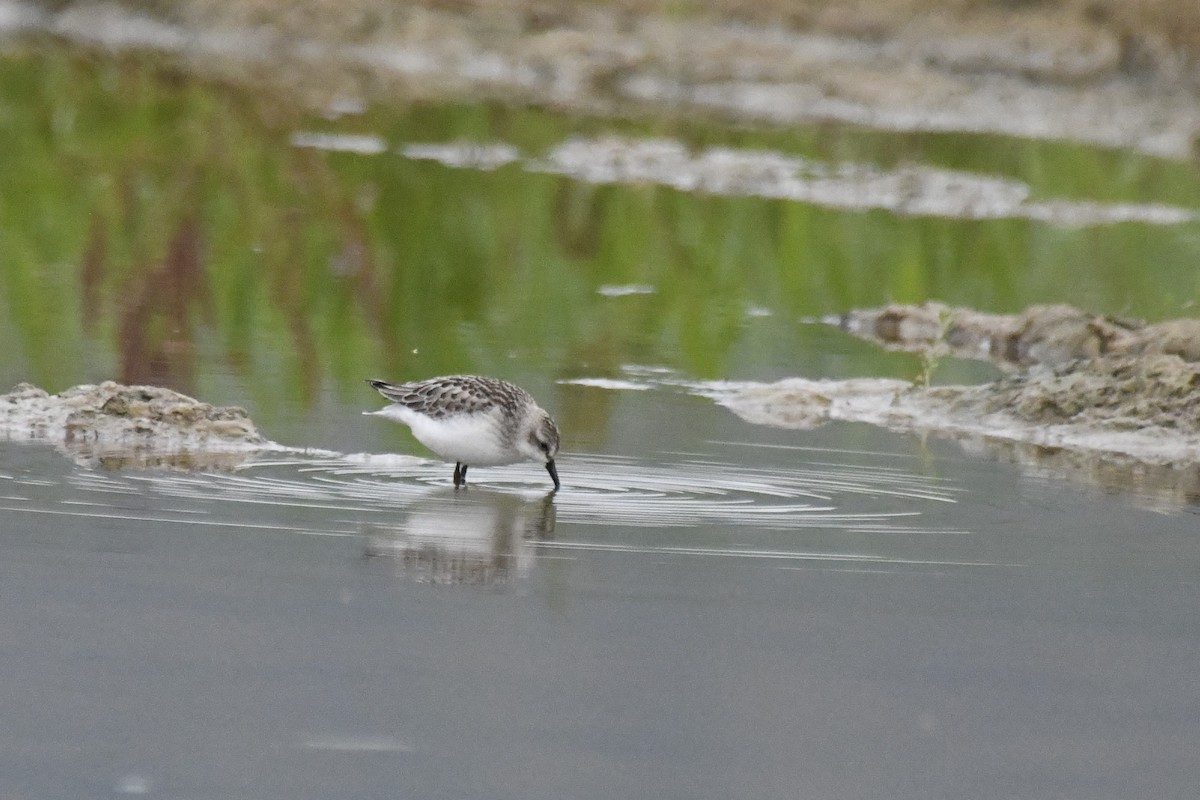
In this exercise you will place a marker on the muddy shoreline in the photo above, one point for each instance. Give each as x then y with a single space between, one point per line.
1144 408
116 426
1125 424
1130 422
1050 335
1047 70
1072 379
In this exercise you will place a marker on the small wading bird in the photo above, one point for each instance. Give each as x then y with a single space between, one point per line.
473 420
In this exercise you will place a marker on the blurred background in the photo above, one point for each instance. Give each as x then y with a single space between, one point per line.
231 199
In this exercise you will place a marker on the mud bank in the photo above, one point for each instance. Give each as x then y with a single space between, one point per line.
1100 75
1043 334
1130 423
115 426
1143 407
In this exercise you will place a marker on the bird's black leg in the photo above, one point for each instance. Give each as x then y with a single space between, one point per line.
460 474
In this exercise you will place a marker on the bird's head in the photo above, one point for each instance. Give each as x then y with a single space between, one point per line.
539 441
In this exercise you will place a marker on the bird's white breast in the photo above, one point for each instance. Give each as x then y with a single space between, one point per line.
472 439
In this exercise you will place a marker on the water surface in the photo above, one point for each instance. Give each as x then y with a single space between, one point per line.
709 608
756 614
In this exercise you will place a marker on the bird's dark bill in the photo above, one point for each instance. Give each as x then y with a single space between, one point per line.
553 474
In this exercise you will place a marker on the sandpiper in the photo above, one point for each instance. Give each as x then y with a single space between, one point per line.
473 420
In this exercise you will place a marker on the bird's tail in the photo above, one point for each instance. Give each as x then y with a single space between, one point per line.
392 391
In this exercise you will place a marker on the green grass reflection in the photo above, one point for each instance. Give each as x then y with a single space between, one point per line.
157 228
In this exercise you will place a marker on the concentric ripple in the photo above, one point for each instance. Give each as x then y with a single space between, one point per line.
685 491
819 508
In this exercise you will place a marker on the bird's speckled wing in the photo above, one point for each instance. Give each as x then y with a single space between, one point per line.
454 394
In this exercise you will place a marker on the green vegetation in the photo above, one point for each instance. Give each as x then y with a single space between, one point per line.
157 228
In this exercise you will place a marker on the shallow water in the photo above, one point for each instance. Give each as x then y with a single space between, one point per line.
709 608
735 614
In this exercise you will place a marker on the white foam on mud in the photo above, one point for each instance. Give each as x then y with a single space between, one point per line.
907 190
339 142
473 155
624 289
607 383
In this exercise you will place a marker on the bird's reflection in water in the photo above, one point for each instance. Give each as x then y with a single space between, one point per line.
474 536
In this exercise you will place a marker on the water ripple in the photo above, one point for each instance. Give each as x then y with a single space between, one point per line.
828 510
600 490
